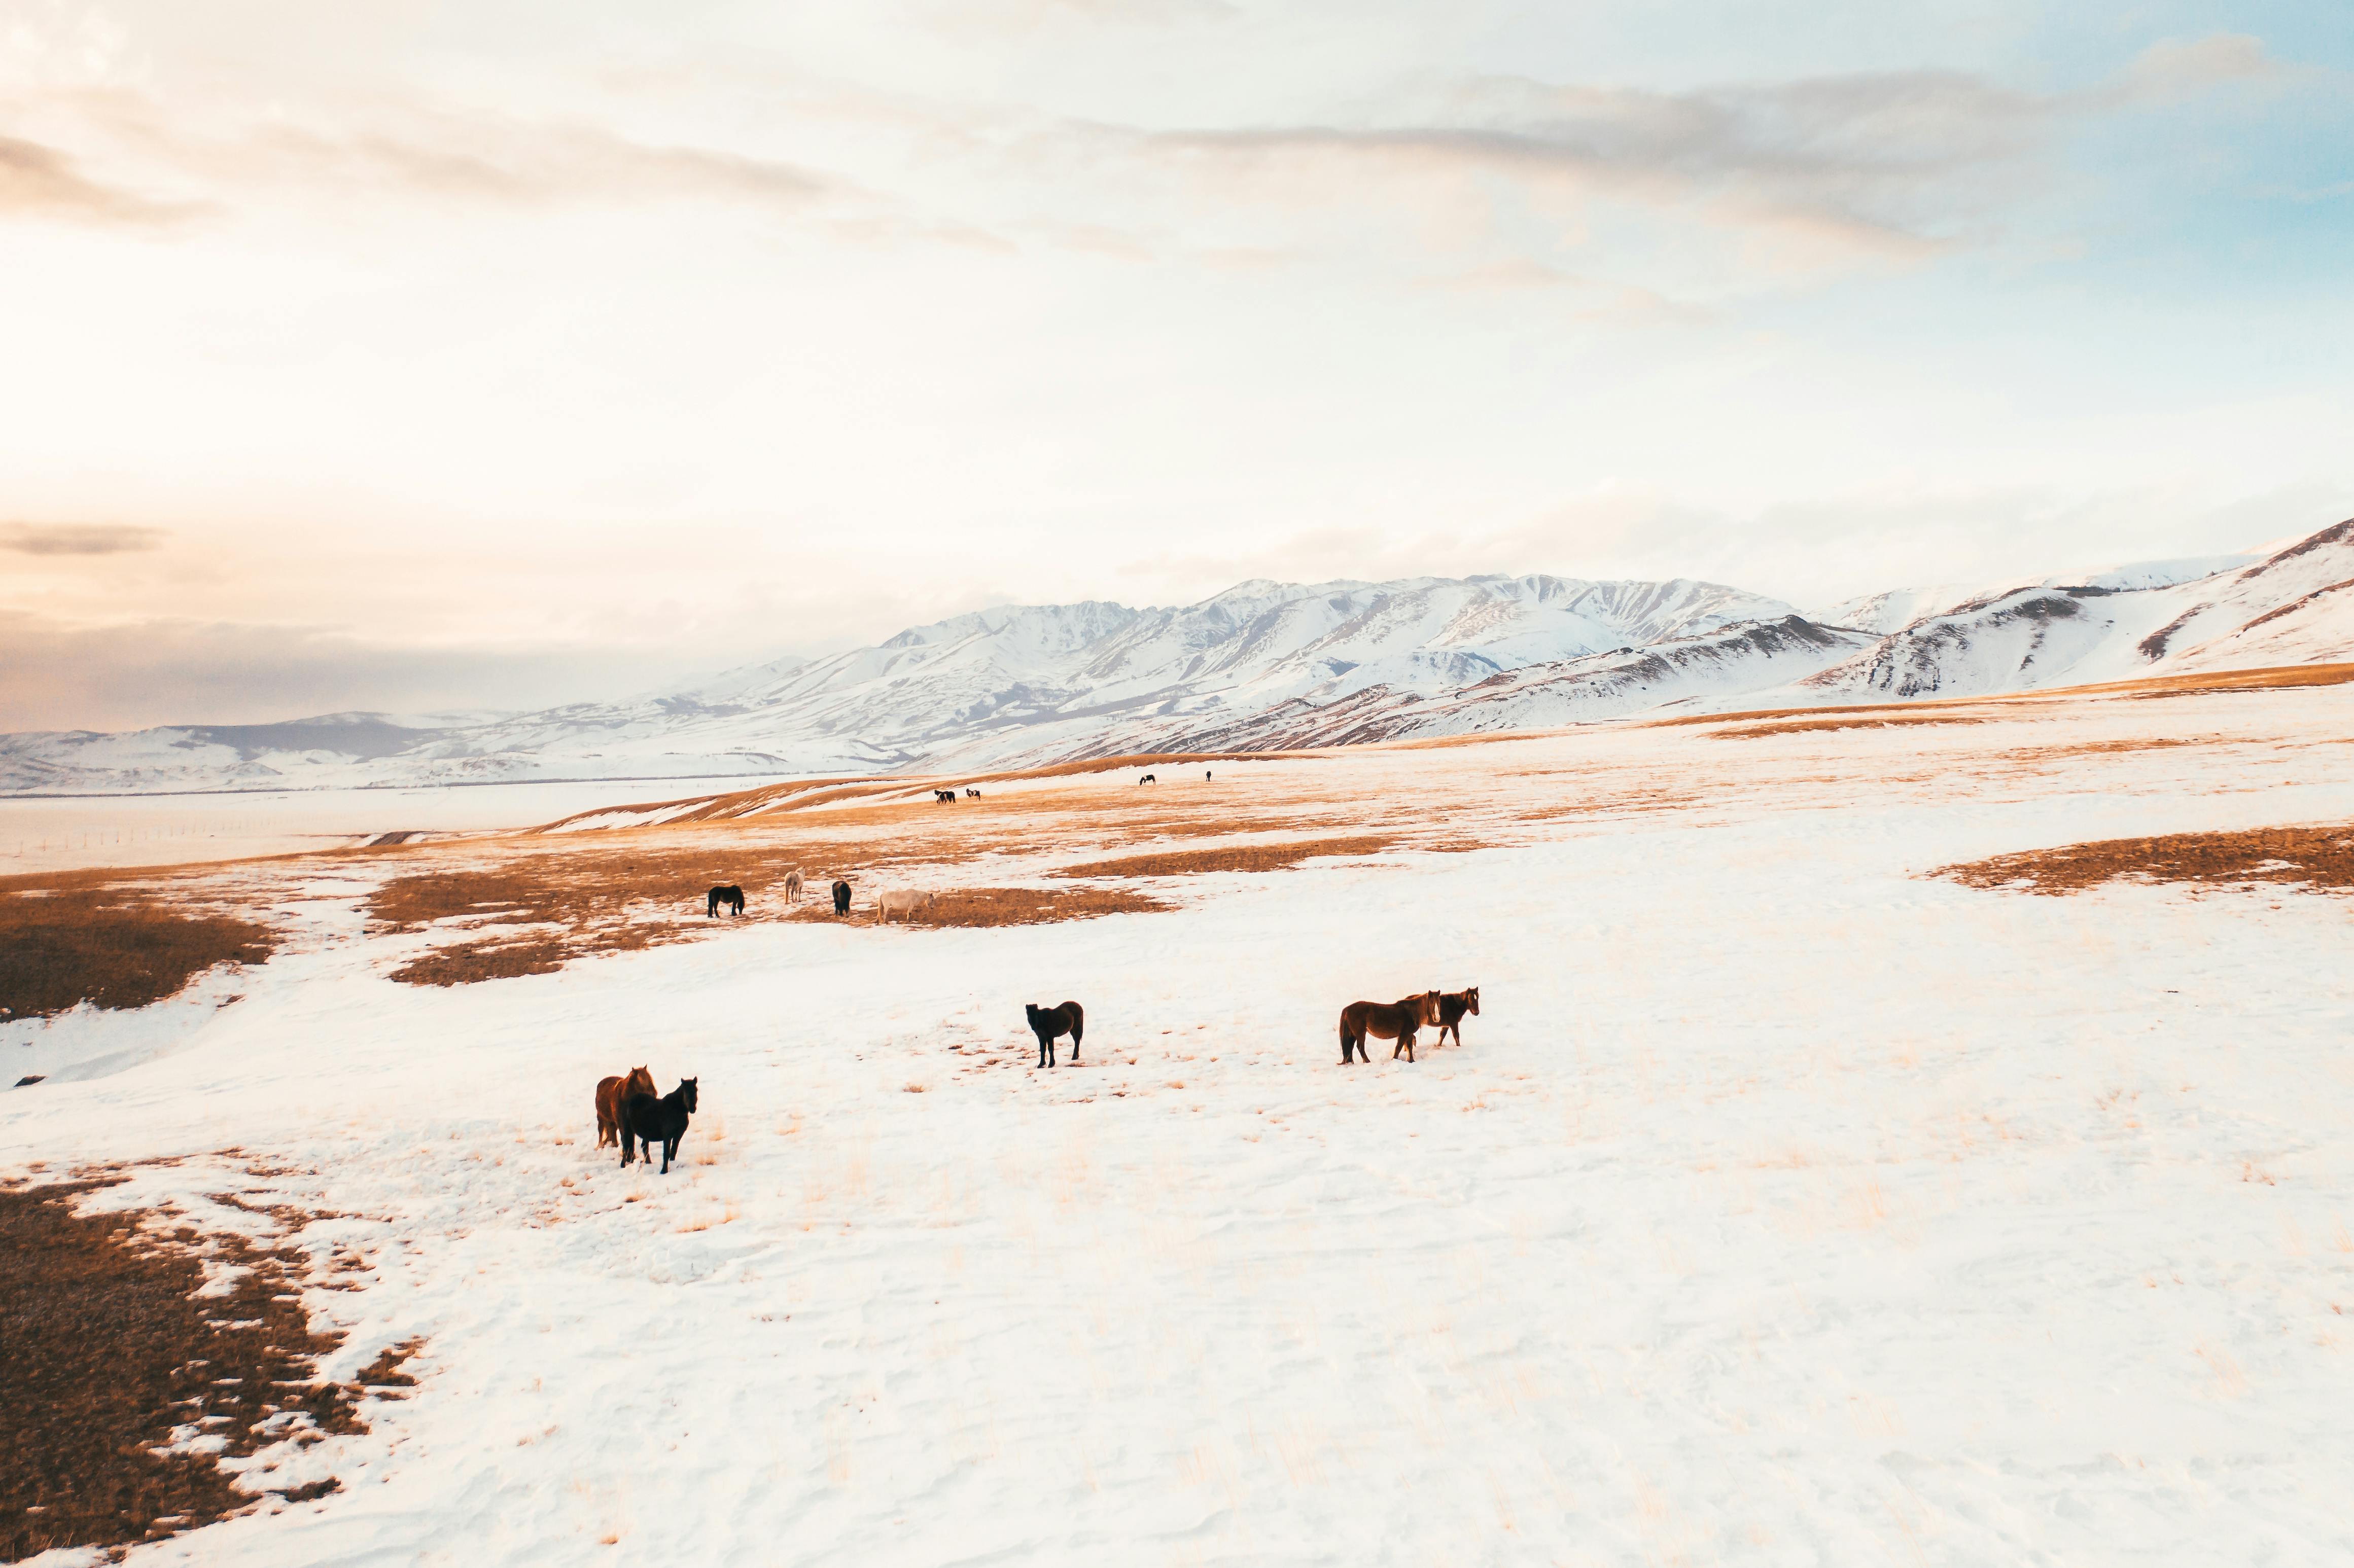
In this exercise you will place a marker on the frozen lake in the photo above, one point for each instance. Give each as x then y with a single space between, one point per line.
55 834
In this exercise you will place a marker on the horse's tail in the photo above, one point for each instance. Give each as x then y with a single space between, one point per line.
1078 1021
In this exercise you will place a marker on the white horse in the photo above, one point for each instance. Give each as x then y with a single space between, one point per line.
902 903
793 885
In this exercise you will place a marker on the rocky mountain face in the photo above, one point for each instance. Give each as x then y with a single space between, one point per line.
1268 665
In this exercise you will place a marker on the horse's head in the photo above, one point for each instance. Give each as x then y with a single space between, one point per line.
1471 1001
1430 1008
686 1093
1034 1012
640 1082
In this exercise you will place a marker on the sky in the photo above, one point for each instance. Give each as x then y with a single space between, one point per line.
427 357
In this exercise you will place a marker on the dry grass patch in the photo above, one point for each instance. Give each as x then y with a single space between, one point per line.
1232 857
1032 906
110 947
2313 857
1876 721
110 1349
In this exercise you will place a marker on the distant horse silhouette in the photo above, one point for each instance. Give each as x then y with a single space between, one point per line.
972 794
842 898
650 1121
612 1093
1047 1022
1147 778
944 797
732 896
1205 775
793 885
902 903
1452 1006
1398 1021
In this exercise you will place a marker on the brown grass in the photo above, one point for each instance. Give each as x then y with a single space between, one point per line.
112 949
2313 857
1231 857
1032 906
1869 721
110 1348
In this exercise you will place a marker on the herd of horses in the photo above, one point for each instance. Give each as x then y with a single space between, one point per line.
1404 1019
730 897
630 1114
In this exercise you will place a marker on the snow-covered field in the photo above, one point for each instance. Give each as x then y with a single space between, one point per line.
1784 1206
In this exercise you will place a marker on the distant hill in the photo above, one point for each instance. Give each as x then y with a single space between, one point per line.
1267 665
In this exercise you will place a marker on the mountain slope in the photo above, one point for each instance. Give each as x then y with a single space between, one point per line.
1267 665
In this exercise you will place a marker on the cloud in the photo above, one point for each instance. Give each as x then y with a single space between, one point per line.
76 538
38 181
2173 69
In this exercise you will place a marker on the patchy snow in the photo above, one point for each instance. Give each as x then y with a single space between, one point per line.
1783 1205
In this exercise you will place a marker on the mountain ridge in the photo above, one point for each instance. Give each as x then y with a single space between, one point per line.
1269 666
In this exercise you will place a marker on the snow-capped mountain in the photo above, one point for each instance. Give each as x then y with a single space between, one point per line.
1267 665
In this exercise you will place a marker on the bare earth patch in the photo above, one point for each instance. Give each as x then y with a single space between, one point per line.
110 1349
110 948
2313 857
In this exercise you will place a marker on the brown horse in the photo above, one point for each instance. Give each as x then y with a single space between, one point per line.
1452 1006
1390 1020
612 1093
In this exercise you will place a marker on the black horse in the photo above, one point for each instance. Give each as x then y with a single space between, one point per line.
731 897
972 794
1047 1022
650 1121
842 898
944 797
1147 778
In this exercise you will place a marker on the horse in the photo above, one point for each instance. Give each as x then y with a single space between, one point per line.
1047 1022
944 797
902 903
662 1122
793 885
842 898
1452 1006
731 895
1147 778
972 794
1205 775
1360 1021
612 1093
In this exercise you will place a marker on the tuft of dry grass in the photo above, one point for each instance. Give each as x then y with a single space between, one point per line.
2314 857
110 948
110 1349
1232 857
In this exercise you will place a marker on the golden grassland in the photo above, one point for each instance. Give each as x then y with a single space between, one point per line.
110 948
2318 857
116 1337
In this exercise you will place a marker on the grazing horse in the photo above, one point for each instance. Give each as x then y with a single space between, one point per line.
612 1093
1147 778
662 1122
902 903
731 897
793 885
1047 1022
1361 1020
1452 1006
972 794
842 898
944 797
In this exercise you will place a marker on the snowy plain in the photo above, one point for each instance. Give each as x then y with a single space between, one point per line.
1784 1205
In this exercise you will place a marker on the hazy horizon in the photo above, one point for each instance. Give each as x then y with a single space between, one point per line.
405 361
